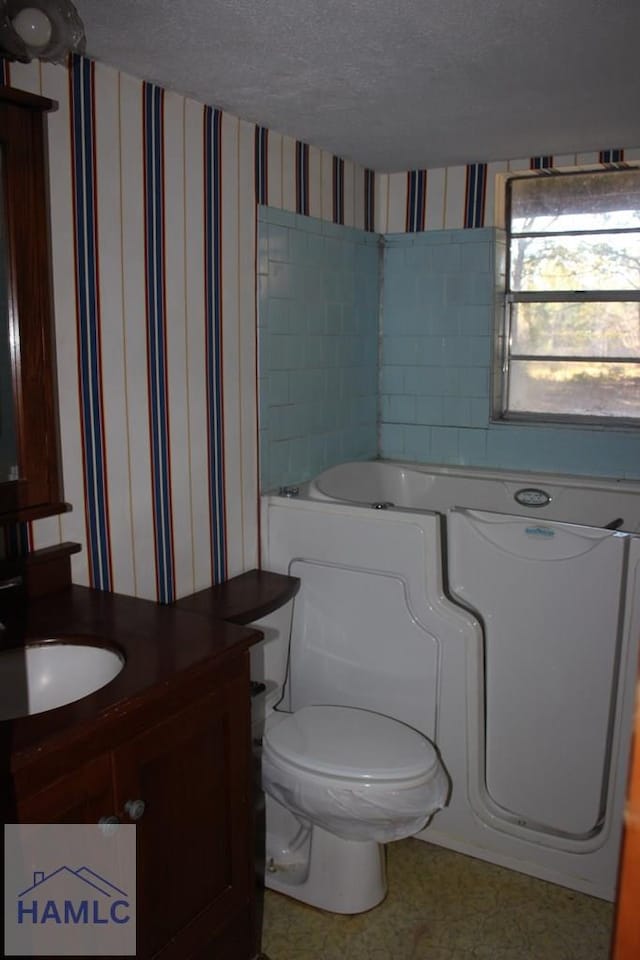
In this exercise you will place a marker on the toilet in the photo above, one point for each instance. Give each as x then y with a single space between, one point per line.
341 776
340 782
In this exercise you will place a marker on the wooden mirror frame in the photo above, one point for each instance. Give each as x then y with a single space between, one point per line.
38 492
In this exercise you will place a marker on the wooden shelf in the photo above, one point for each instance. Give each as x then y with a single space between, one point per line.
45 570
22 514
23 99
244 598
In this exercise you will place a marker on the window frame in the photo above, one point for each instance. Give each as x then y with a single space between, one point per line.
503 355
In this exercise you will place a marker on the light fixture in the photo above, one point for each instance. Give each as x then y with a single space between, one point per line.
43 29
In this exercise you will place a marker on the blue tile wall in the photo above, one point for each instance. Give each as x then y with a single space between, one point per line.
440 291
321 399
318 307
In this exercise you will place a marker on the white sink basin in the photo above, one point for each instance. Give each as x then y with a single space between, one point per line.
46 674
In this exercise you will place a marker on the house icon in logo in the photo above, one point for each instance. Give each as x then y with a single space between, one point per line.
73 898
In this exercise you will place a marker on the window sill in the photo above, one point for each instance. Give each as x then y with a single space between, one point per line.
572 423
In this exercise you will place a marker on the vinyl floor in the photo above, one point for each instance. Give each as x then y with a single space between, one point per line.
442 905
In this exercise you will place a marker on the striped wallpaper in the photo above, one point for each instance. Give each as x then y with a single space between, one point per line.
213 334
89 322
450 198
153 218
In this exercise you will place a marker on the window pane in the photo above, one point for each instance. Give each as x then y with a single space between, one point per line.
587 389
600 201
609 261
604 329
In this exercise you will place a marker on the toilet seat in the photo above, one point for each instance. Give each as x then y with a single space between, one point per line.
358 775
349 743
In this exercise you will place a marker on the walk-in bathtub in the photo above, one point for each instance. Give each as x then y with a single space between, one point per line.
523 591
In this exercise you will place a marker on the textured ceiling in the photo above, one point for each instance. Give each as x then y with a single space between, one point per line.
394 84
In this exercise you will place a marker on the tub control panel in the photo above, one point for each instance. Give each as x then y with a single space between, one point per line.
532 497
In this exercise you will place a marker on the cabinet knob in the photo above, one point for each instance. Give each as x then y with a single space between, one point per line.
108 825
134 809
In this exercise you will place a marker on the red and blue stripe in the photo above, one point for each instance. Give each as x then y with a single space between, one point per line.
415 217
475 195
302 178
369 200
338 190
88 318
155 272
611 156
261 165
541 163
213 330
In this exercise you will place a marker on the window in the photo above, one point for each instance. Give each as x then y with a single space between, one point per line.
571 339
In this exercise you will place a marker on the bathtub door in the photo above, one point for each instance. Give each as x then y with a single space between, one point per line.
549 596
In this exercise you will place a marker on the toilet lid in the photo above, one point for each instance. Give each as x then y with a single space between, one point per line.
347 742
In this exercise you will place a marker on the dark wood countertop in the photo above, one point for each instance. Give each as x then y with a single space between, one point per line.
163 646
244 598
171 655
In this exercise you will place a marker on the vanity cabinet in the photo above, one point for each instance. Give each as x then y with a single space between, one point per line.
191 772
167 745
80 797
190 767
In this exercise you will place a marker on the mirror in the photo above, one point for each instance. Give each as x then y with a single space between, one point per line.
8 440
30 484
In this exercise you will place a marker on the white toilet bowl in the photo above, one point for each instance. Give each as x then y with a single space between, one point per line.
340 782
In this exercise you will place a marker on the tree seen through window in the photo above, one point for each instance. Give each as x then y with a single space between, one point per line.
573 301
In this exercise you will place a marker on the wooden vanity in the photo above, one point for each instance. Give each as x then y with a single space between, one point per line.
167 745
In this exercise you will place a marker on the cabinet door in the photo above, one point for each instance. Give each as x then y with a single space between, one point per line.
83 796
192 773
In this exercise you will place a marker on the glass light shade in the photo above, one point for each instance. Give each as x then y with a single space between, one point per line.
46 29
33 26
